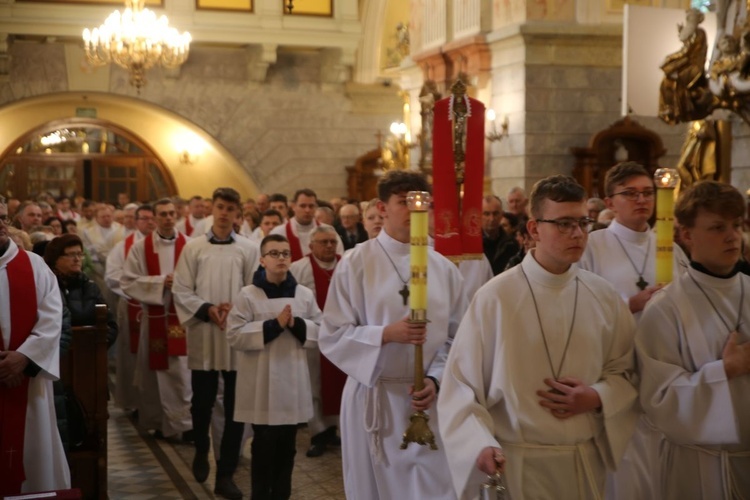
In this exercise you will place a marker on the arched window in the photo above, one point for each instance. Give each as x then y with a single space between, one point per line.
83 157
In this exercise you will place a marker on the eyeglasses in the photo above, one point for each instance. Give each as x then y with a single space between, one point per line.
567 226
4 219
285 254
77 255
633 195
326 242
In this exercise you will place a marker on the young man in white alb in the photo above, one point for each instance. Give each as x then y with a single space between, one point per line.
693 347
539 375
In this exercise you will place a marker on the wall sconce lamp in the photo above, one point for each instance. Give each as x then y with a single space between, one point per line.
188 157
494 134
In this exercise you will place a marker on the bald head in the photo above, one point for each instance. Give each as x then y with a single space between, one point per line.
349 215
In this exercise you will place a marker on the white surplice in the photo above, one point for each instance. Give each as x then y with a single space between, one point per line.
174 386
375 407
685 391
44 459
637 477
213 274
303 272
275 388
304 233
199 226
497 363
100 240
126 393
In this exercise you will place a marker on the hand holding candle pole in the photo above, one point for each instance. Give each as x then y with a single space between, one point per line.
419 202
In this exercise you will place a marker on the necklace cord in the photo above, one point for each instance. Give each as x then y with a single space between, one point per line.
404 281
645 260
541 328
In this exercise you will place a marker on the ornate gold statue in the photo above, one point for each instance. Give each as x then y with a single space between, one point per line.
428 96
699 152
684 94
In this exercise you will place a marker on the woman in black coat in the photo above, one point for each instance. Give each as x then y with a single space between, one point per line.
64 255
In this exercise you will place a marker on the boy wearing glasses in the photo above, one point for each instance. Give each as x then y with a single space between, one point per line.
271 324
538 379
624 254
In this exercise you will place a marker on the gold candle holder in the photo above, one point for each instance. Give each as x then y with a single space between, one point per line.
419 202
666 180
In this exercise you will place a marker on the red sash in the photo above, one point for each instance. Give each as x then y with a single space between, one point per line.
188 226
294 244
134 307
458 224
332 379
165 335
13 402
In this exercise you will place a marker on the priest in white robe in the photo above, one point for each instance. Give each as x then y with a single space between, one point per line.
126 393
147 277
538 380
299 228
32 454
366 334
210 274
693 347
195 223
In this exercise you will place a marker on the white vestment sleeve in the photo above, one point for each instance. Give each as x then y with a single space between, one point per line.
616 390
312 317
43 344
187 302
466 425
113 269
459 304
137 283
353 348
691 406
244 333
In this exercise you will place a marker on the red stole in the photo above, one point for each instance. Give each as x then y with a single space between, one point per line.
134 307
294 244
458 223
165 335
188 226
13 402
332 379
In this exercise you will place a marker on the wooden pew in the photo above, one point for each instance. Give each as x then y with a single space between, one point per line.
83 371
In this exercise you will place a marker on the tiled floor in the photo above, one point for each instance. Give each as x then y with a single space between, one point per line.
142 467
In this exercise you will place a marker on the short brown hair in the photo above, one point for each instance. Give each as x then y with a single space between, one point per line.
622 172
227 194
305 191
401 181
711 196
56 248
557 188
278 238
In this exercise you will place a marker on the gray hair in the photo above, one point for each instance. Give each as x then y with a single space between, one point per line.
323 228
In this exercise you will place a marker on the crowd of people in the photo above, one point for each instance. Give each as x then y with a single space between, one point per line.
556 359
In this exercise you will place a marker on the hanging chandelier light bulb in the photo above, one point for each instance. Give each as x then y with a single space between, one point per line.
136 40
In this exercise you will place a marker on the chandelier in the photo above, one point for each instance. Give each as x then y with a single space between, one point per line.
136 40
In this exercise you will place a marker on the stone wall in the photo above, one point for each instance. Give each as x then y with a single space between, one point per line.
559 86
295 128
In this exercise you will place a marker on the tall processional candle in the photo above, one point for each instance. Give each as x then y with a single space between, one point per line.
666 180
419 202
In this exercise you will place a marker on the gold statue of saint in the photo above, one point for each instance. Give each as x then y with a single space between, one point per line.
459 111
684 93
